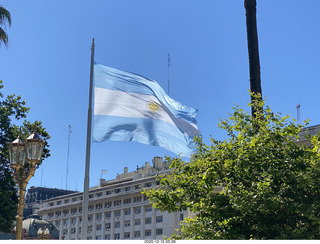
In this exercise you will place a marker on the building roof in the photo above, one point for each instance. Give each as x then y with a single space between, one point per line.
33 225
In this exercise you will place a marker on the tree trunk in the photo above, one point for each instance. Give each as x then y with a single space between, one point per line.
253 49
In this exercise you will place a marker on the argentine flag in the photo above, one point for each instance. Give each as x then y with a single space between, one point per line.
129 107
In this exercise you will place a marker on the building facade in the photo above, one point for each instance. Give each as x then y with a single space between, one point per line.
117 209
36 195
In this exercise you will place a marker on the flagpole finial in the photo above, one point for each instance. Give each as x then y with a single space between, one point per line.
92 42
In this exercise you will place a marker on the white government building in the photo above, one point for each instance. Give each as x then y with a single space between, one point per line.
117 209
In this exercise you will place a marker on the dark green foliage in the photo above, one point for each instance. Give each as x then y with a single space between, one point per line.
5 17
257 184
13 108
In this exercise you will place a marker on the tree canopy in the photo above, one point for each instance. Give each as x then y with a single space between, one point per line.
256 184
13 108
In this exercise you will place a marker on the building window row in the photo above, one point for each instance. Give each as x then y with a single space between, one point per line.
107 204
126 235
127 212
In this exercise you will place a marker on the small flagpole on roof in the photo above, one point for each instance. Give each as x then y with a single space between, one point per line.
88 149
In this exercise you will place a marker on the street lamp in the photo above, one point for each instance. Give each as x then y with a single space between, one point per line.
43 234
24 157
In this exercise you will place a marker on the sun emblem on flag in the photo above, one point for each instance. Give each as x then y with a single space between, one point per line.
154 106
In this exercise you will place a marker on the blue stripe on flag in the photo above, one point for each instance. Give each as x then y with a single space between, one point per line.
147 131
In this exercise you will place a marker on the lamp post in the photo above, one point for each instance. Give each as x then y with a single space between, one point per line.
24 157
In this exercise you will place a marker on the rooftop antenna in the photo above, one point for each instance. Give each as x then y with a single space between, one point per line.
41 176
169 63
68 156
298 114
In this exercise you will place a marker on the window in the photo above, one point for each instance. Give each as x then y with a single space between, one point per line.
137 199
99 194
159 231
128 188
107 237
107 204
117 203
80 210
117 214
58 222
117 225
159 219
65 212
127 201
108 215
51 214
99 216
145 198
89 229
90 207
73 230
117 236
137 234
51 204
108 226
90 218
137 222
127 223
181 217
98 227
117 190
73 221
126 235
148 209
66 201
58 213
148 184
59 202
108 192
137 210
137 187
65 232
91 196
98 205
147 233
74 199
127 212
73 210
89 238
98 237
147 221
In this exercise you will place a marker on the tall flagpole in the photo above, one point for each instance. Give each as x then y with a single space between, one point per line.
88 149
169 62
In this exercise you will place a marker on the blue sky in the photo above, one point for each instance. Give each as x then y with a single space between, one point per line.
48 64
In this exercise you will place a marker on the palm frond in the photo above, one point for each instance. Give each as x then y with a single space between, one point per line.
3 37
5 16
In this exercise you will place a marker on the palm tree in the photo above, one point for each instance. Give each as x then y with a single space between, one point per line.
5 17
253 49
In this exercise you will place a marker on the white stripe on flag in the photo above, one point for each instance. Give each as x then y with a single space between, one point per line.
130 105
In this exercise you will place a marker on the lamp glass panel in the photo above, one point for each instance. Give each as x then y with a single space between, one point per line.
40 150
28 147
13 156
17 154
21 155
35 150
